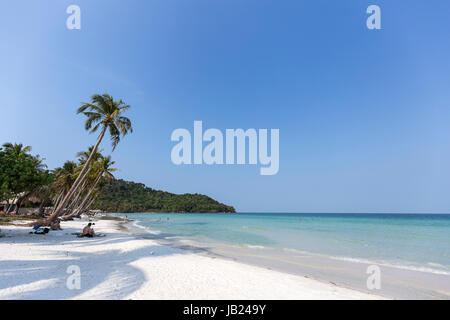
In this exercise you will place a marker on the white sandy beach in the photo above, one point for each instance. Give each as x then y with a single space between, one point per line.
124 266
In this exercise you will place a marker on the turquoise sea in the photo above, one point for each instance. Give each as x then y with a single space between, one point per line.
414 241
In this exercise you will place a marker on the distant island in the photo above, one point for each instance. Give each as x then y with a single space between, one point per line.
127 197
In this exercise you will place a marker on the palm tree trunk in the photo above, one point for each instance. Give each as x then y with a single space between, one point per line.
10 205
18 204
21 199
74 187
77 197
83 203
86 208
79 187
86 198
7 206
90 203
41 210
57 200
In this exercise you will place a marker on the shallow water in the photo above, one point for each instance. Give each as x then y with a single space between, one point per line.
270 242
419 241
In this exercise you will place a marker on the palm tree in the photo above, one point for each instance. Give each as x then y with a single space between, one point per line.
105 114
105 167
64 179
18 148
84 155
65 176
104 170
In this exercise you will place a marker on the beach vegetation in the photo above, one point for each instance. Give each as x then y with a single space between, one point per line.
124 196
20 174
105 114
87 183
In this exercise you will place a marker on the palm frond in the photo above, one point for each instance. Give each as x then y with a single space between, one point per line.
115 136
104 112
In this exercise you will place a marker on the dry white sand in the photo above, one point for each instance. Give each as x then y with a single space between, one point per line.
123 266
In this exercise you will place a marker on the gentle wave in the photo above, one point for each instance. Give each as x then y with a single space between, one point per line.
396 265
254 246
386 240
138 224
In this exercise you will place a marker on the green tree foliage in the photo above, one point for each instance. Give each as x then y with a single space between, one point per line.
24 177
127 197
20 172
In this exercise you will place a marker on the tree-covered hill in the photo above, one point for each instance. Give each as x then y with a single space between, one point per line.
124 196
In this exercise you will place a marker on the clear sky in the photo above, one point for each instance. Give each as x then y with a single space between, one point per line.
363 114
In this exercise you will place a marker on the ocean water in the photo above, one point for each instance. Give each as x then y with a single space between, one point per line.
414 241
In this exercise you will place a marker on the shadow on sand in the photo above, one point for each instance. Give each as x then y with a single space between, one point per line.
46 278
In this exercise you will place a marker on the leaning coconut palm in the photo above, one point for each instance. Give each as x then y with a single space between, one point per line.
104 170
105 114
91 202
78 196
83 156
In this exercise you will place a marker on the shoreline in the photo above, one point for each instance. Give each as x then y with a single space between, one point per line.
127 266
399 282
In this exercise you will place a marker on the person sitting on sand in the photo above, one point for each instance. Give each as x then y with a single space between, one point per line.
88 231
56 225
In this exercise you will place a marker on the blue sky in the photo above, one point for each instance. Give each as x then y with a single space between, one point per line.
363 115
